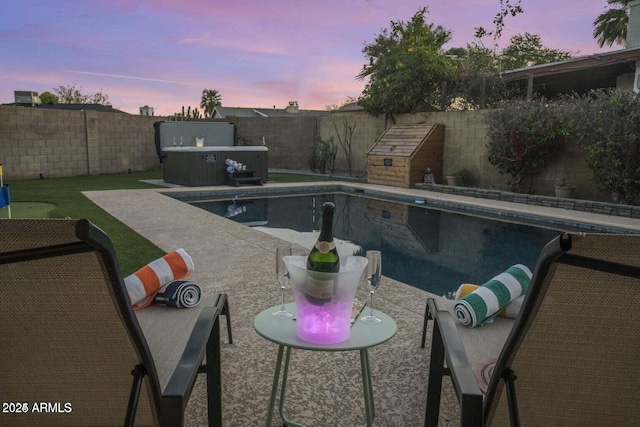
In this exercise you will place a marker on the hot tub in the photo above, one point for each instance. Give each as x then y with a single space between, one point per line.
194 154
199 166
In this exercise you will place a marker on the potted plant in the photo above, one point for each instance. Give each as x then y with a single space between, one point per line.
454 179
564 190
459 178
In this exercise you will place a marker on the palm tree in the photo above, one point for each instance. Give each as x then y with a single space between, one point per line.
210 99
611 26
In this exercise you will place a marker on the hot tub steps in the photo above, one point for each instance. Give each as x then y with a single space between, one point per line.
243 178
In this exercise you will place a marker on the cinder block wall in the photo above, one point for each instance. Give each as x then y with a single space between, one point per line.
465 136
34 142
465 148
57 143
366 130
289 139
121 142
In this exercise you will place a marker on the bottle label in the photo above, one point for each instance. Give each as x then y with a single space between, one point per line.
325 247
320 289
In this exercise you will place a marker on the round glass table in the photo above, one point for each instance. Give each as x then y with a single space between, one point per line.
283 332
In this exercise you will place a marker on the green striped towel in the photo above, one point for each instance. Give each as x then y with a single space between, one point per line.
483 304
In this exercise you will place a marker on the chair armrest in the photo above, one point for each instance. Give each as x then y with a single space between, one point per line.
204 337
447 346
456 356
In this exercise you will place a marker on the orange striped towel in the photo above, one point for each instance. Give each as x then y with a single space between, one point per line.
510 311
145 283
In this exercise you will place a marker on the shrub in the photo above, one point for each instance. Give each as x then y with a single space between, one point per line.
606 124
523 138
323 155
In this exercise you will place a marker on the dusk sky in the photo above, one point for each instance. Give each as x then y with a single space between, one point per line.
163 53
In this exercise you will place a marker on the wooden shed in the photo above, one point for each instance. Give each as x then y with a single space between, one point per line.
403 152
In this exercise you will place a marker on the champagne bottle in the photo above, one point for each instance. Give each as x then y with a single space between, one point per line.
323 258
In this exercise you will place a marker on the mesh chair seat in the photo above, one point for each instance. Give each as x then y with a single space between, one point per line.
572 357
71 344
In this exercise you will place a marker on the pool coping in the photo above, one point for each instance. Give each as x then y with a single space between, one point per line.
616 209
556 216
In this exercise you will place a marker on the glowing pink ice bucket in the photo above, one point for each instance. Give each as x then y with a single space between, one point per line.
330 322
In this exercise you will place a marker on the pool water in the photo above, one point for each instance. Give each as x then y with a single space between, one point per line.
430 249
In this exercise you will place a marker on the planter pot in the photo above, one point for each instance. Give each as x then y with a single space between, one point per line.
564 192
454 180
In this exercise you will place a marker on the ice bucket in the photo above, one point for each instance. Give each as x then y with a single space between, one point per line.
330 322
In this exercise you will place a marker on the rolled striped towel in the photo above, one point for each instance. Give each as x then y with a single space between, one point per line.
144 284
510 311
488 300
179 294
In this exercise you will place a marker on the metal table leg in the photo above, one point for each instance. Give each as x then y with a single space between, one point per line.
367 387
285 374
274 387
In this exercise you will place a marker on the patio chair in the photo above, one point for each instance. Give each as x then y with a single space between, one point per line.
572 357
71 349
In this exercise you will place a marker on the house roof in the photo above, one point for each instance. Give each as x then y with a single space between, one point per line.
76 107
578 74
401 140
352 107
224 112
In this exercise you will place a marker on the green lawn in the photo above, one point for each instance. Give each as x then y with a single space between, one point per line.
28 210
63 198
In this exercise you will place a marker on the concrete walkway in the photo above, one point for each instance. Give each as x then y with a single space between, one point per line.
325 389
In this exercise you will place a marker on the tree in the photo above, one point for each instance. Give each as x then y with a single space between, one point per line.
527 50
48 98
478 84
523 51
406 67
506 9
99 98
611 26
210 99
73 94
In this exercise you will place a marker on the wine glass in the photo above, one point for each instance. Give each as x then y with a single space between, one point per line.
374 271
282 276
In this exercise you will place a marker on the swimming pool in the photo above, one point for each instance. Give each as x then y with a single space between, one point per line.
430 249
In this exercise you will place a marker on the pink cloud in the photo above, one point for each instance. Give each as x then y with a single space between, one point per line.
243 45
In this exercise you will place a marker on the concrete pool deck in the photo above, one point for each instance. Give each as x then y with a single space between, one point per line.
325 388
